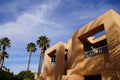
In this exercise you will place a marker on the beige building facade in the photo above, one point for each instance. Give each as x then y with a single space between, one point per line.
93 53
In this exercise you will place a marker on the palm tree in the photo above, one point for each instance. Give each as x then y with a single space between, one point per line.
4 42
0 55
31 47
43 43
3 55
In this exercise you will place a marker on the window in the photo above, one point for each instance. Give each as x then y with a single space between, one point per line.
52 55
65 62
94 41
53 61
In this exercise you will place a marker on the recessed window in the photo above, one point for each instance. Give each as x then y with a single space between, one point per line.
65 63
96 46
53 61
52 55
94 42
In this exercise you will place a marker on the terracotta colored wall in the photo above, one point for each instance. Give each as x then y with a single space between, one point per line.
107 65
59 68
56 72
47 66
69 54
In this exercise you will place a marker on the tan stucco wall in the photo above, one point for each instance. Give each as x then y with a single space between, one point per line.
69 54
56 72
107 65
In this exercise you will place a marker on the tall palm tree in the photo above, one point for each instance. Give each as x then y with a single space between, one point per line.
4 42
43 43
31 47
0 55
3 55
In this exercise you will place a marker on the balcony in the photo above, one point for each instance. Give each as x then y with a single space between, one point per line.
96 51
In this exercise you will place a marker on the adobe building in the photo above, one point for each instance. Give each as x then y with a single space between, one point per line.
55 60
87 56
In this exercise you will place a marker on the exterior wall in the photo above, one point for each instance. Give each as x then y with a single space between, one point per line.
56 72
107 65
47 66
69 56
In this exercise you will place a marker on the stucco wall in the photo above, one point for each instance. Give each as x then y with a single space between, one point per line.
107 65
56 72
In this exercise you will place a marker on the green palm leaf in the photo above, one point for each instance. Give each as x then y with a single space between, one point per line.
4 54
4 42
43 41
31 47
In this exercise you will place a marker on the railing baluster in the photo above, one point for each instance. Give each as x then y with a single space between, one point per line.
96 51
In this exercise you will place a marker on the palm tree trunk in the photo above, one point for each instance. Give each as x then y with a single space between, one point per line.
2 64
0 60
29 60
40 62
4 47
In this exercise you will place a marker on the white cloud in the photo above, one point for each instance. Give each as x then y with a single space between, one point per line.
29 26
43 20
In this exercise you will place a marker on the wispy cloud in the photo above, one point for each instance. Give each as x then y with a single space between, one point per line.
57 19
30 24
28 27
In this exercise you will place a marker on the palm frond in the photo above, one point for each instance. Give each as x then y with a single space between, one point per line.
5 42
4 54
43 41
31 47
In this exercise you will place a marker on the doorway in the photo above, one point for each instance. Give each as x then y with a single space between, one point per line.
93 77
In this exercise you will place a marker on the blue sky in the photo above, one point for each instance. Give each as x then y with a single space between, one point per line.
23 21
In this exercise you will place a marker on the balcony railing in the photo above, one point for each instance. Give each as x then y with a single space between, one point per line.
96 51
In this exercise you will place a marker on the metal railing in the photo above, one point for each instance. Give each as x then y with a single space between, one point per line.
96 51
